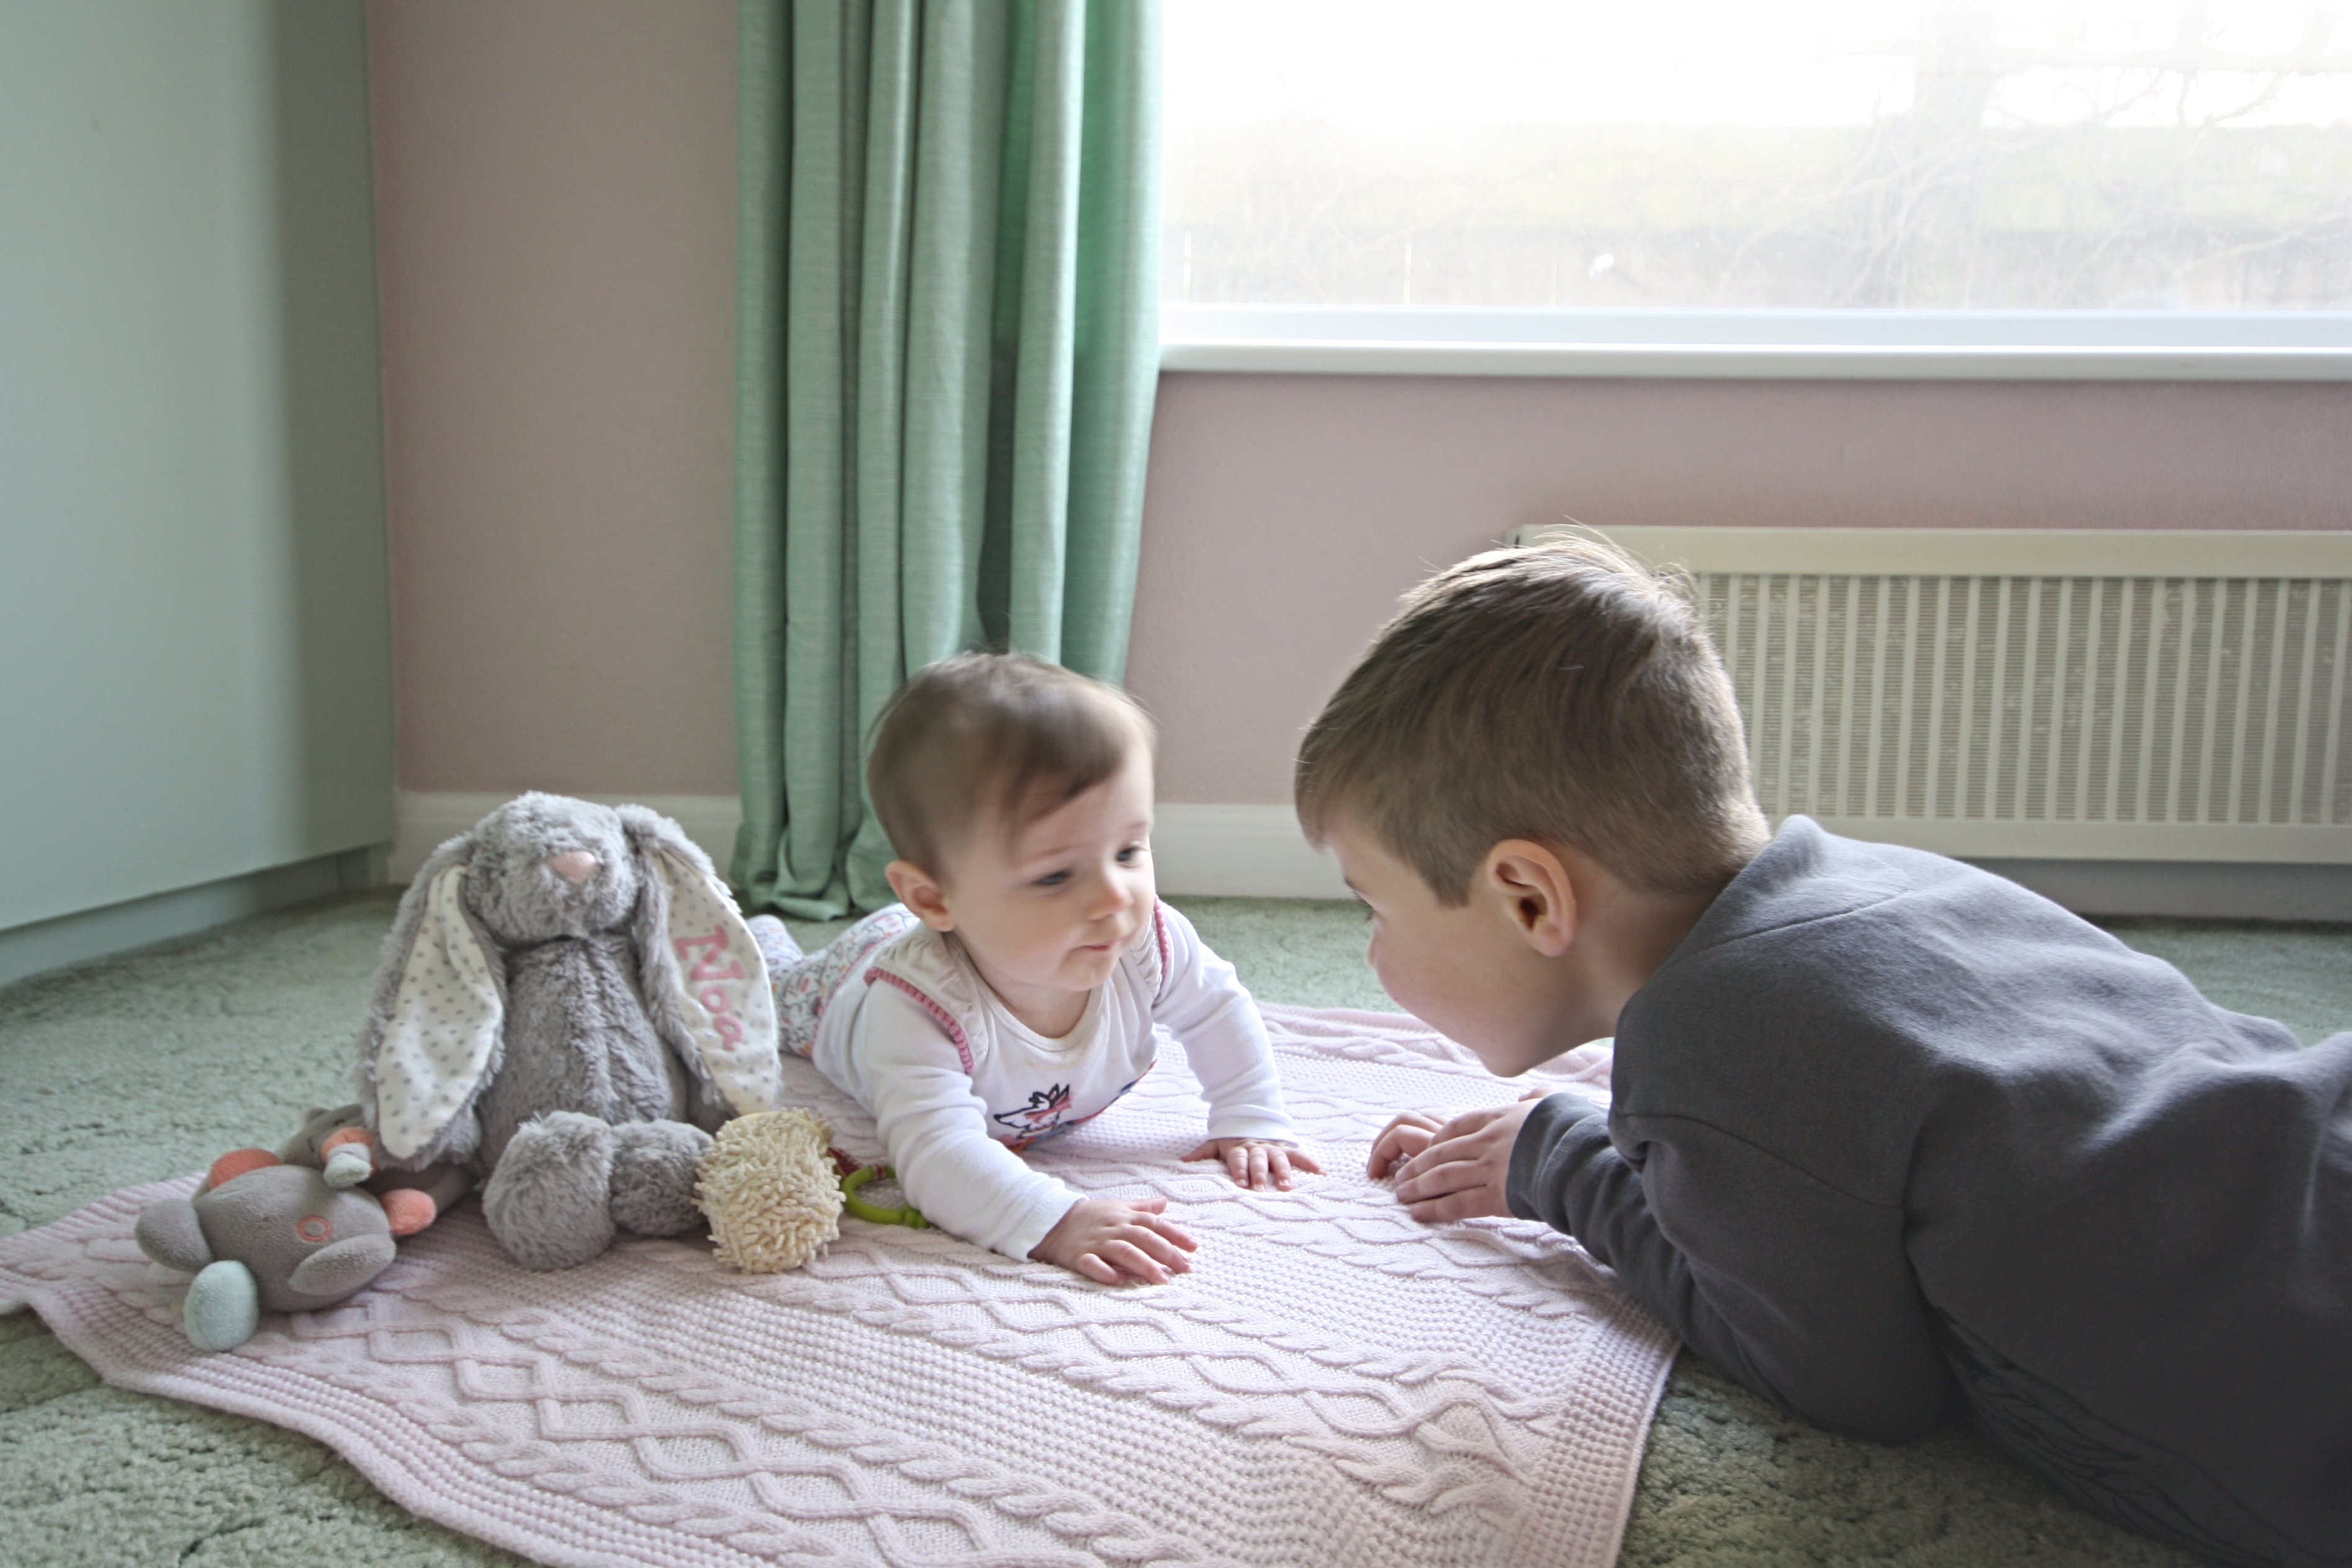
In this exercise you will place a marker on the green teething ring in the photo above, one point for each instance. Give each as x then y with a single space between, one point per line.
875 1212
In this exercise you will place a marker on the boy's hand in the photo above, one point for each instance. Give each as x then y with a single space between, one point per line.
1113 1239
1256 1162
1462 1165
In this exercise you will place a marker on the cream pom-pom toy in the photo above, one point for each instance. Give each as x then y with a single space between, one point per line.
771 1190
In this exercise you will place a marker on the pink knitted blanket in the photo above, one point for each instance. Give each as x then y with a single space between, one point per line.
1334 1382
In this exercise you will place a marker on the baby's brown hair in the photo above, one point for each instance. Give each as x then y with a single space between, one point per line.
1563 693
992 737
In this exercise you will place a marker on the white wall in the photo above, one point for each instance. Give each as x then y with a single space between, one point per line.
557 198
558 189
1286 513
556 181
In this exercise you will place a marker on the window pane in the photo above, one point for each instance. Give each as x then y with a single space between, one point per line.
1815 153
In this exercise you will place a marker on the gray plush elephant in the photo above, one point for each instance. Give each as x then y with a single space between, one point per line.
261 1233
568 1003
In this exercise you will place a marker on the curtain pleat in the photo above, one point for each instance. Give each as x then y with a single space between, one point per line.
948 352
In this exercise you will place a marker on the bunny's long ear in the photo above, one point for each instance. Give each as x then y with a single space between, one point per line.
432 1035
705 984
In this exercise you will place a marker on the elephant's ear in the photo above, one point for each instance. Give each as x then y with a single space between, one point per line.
705 985
432 1035
342 1267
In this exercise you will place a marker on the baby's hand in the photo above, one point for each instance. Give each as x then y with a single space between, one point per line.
1255 1162
1112 1239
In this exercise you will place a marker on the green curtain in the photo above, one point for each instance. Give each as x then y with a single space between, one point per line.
948 344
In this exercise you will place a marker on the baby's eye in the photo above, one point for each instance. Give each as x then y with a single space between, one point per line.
1127 856
1053 878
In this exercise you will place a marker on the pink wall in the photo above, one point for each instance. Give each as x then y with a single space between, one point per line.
555 188
1285 514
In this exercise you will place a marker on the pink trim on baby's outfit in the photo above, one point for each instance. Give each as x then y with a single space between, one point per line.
940 1013
1160 929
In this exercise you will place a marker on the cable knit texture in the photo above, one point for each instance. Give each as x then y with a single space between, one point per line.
1334 1381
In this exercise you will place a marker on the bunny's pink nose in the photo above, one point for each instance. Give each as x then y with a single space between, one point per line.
574 866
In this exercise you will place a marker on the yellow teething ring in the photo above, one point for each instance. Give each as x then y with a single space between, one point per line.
875 1212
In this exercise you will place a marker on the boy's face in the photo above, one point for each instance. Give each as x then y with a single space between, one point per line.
1467 972
1048 916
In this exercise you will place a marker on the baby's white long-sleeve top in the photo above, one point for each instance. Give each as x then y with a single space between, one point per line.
957 1084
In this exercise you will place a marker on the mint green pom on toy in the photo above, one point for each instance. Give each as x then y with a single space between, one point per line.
224 1305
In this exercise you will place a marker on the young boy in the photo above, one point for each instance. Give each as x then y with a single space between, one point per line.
1012 993
1892 1138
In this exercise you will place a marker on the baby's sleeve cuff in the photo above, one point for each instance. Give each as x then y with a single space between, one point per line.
1043 1214
1251 1124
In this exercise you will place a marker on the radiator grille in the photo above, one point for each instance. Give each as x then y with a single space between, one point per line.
2096 694
2041 700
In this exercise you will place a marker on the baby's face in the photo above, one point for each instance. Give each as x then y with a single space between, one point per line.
1048 916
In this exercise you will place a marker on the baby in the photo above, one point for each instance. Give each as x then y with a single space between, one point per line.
1012 993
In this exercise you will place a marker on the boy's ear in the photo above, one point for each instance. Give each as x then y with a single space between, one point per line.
921 892
1531 884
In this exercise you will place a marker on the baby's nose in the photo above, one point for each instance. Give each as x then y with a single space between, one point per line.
574 866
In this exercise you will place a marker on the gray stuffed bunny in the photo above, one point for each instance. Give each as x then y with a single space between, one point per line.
569 1003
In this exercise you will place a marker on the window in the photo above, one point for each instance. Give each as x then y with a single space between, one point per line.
2065 178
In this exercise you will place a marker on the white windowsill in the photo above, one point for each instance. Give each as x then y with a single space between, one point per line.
1868 345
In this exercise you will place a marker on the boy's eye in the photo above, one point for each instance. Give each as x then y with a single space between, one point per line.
1126 855
1053 878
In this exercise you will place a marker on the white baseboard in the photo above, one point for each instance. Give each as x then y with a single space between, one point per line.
1242 852
423 820
1258 852
1235 851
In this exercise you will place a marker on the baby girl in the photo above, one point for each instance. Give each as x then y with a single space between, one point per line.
1011 992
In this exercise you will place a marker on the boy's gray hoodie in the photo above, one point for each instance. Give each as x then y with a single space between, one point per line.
1894 1138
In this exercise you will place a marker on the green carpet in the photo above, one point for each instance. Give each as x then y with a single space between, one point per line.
146 1065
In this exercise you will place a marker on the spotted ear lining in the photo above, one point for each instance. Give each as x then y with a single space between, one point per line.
722 996
443 1027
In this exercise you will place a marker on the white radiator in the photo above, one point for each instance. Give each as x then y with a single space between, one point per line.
2066 695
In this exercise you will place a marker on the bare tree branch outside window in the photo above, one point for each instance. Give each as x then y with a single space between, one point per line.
2188 154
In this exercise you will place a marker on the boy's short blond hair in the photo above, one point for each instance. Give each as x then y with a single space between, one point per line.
991 738
1563 693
